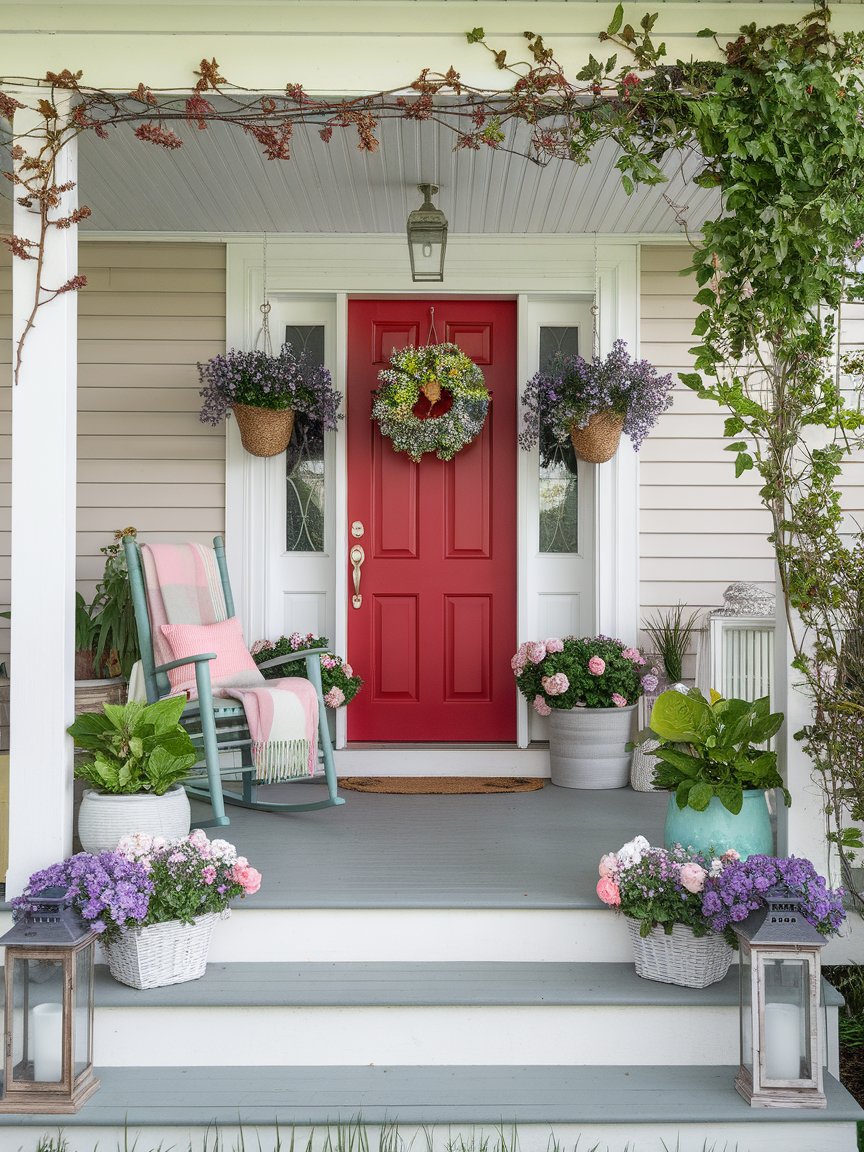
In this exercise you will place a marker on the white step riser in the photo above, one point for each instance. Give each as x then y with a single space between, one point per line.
344 935
409 1035
410 934
802 1136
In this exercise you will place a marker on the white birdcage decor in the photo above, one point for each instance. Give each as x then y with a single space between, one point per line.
781 1033
48 1062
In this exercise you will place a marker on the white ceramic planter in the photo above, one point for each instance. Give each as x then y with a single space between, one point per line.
587 746
104 818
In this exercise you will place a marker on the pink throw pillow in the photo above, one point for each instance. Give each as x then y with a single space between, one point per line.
225 638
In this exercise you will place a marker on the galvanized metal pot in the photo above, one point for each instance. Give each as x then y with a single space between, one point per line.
587 746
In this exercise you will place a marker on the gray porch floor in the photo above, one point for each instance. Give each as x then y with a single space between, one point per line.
506 850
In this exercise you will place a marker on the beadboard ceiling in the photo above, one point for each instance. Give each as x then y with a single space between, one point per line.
218 182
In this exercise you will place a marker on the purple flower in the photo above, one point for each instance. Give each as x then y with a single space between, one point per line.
574 389
741 888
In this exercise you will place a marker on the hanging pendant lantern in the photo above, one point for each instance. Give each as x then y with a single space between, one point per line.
427 238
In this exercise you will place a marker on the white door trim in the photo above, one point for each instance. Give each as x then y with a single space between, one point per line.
336 268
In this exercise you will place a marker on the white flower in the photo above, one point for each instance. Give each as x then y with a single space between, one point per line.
716 867
633 851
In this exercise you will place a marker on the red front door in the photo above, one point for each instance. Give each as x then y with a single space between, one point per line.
436 628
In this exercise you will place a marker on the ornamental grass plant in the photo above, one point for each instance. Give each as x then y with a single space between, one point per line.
586 672
147 880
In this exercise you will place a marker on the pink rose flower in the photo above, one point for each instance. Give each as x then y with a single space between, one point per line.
608 891
596 666
555 685
692 877
554 645
348 670
536 651
540 706
608 864
517 662
729 855
618 700
632 654
247 877
335 698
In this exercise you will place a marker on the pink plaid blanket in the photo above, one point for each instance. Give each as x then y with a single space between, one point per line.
184 587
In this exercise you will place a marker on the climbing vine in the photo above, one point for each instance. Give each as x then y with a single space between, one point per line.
775 122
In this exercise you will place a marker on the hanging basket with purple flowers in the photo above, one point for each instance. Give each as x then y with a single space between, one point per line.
264 392
592 402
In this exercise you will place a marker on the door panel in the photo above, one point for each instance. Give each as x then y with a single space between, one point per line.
436 627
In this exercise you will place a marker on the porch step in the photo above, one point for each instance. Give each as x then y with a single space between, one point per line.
387 1013
640 1109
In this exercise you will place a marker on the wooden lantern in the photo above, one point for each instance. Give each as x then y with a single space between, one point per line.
48 1064
781 1033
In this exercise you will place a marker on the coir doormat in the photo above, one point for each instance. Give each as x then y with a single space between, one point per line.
440 785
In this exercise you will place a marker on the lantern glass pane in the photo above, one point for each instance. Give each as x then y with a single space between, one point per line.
81 1010
786 1041
745 976
426 256
37 1021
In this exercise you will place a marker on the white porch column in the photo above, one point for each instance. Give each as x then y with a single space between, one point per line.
801 829
44 406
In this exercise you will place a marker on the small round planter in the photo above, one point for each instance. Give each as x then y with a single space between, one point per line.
264 431
104 817
679 958
587 747
161 954
598 441
717 829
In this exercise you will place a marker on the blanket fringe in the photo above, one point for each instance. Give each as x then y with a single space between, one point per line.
277 760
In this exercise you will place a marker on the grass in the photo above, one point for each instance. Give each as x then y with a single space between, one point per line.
353 1136
670 634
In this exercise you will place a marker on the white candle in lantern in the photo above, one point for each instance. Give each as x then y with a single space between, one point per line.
782 1042
47 1037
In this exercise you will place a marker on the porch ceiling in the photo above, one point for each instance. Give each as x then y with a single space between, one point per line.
219 182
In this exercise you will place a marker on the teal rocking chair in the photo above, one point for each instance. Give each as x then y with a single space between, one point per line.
219 726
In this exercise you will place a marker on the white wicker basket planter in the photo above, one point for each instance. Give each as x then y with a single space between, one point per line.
104 817
161 954
681 957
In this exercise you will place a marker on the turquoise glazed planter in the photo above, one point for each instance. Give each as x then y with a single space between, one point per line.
717 829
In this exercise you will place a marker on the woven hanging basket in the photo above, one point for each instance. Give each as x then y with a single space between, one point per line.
679 958
597 442
264 431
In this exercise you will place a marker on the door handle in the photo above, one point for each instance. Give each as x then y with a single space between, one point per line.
357 557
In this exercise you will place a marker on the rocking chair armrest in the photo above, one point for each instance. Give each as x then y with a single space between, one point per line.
279 660
200 658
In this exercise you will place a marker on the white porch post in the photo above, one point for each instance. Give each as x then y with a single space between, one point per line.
44 406
801 829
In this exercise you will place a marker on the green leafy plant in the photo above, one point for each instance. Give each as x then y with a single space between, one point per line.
670 634
106 636
136 747
709 749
